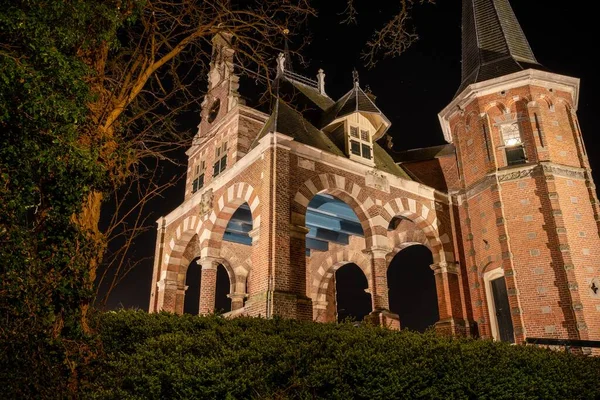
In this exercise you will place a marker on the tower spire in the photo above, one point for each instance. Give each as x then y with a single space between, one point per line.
493 43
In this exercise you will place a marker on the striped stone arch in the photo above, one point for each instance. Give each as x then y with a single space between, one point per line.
178 251
238 270
344 189
402 240
230 273
332 263
215 223
426 220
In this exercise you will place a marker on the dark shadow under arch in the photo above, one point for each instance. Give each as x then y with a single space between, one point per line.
191 302
412 289
222 302
351 299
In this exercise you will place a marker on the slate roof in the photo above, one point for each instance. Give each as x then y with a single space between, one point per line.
291 123
493 43
323 102
353 101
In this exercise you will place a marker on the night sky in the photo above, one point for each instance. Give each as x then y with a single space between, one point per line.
413 88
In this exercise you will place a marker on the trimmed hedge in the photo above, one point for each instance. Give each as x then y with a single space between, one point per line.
157 356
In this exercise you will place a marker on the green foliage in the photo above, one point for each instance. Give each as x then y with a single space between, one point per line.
152 356
48 166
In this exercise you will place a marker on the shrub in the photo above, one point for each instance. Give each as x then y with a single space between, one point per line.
152 356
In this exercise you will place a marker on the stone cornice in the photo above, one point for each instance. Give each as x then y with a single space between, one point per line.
525 171
527 77
307 152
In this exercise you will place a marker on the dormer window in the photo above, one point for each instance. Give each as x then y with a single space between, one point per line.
220 159
360 142
198 181
513 145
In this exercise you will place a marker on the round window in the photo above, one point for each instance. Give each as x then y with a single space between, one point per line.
214 110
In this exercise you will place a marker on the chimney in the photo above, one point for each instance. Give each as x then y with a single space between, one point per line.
321 81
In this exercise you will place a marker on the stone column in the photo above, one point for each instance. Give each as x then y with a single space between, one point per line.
208 284
170 293
237 300
447 283
381 314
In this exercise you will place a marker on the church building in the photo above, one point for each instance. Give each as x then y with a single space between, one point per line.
277 202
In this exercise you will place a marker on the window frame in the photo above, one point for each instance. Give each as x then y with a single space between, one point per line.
512 151
355 135
198 176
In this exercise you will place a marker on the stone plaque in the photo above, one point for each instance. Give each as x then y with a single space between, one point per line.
377 181
206 203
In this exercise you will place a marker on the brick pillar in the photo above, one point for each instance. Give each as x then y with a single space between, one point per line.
447 283
378 285
170 292
208 285
381 314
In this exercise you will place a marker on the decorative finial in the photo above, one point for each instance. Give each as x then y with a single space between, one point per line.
280 63
355 77
321 81
389 143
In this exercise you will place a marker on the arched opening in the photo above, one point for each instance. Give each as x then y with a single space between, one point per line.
352 302
412 289
239 226
330 222
222 302
191 302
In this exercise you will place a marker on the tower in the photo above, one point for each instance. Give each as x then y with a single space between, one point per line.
526 202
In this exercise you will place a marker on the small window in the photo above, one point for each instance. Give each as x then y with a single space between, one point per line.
366 151
364 135
198 183
354 131
355 147
511 136
515 155
220 165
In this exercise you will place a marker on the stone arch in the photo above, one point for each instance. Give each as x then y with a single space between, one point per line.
327 268
237 269
511 103
223 208
496 104
344 189
546 100
471 116
426 220
179 253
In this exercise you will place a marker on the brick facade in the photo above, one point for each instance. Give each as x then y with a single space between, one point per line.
534 224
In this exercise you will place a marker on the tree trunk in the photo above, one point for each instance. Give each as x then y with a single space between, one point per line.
88 220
